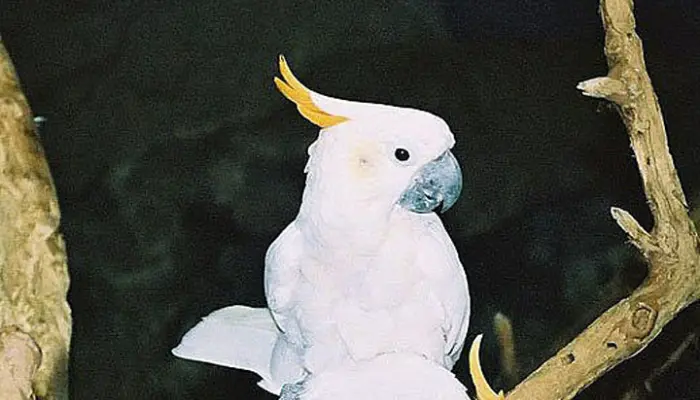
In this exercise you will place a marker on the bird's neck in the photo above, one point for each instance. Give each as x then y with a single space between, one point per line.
341 218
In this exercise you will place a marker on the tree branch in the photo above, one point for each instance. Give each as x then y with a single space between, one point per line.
35 322
671 248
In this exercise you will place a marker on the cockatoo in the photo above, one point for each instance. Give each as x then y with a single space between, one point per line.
365 282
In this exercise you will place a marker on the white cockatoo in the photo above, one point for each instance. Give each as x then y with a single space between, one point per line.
365 283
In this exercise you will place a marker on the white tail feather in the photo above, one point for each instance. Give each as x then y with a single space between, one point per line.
237 337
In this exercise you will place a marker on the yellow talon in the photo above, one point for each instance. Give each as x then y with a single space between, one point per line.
483 389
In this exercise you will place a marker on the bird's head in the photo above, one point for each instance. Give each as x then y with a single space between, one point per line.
376 153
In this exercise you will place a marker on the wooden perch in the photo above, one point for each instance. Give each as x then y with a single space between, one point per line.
670 249
35 323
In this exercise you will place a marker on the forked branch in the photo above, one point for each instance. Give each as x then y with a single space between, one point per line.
670 249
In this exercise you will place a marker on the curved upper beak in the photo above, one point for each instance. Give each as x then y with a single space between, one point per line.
435 187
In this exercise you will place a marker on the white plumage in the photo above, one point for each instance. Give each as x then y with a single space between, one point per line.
385 377
364 288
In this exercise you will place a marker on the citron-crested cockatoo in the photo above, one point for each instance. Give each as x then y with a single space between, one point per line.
364 288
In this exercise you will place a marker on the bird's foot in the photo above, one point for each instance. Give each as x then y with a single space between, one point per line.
291 391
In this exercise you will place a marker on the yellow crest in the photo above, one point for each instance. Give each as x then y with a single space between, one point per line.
300 95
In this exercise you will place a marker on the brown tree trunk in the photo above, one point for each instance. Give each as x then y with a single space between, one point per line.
35 322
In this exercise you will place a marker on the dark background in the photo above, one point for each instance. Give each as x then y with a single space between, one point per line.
177 163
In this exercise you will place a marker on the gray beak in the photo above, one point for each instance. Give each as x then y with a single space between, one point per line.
435 187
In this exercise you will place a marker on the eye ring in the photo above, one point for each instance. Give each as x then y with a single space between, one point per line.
402 154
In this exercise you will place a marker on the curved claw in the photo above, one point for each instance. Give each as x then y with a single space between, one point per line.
483 389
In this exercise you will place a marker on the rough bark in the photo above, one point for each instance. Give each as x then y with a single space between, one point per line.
671 248
35 322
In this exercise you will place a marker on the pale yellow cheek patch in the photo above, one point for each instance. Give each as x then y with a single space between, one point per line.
300 95
362 160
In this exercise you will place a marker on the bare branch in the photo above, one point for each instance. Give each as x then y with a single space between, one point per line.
672 359
19 360
638 236
33 268
671 249
503 328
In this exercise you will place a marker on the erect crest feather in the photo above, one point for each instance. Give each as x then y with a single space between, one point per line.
300 95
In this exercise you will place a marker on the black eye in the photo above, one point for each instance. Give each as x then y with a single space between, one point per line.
401 154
